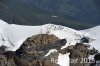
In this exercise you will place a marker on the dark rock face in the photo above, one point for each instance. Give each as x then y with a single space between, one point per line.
33 51
97 57
6 62
97 60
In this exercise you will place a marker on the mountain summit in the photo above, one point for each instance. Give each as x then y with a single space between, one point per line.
46 40
13 35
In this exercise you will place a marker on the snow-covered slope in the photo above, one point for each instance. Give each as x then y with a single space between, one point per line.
72 36
16 34
95 34
3 30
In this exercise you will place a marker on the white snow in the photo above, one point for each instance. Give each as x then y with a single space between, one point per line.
63 59
51 51
15 35
72 36
91 57
95 34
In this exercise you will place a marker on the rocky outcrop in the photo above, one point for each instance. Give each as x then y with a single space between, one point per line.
79 54
36 47
33 51
4 61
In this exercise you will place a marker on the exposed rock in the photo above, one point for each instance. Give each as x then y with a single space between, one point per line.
36 47
4 61
79 54
33 51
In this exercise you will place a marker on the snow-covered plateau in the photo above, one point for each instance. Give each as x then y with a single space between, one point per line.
12 36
